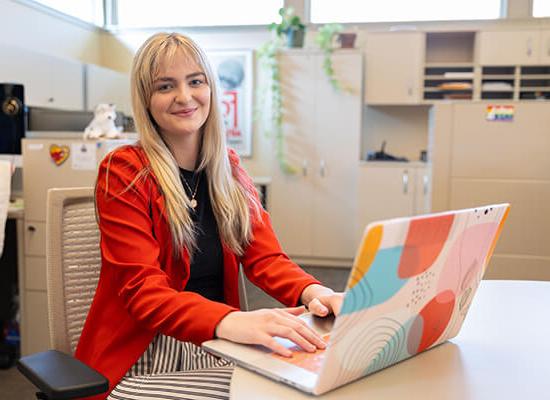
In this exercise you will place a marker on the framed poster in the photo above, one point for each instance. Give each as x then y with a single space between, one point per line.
235 79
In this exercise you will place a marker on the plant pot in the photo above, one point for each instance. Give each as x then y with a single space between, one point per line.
295 38
347 40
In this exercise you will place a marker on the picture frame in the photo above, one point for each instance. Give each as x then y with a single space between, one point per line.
234 70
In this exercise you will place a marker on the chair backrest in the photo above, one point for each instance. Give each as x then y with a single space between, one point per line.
73 261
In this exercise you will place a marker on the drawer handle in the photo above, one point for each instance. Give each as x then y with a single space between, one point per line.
31 228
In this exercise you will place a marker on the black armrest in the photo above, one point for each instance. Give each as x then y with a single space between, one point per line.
60 376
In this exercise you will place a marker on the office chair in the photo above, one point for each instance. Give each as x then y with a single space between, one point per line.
73 262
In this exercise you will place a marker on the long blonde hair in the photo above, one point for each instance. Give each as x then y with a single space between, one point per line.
234 203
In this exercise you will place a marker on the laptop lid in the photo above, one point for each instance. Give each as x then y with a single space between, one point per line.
410 288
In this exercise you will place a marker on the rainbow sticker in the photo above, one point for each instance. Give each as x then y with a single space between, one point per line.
500 113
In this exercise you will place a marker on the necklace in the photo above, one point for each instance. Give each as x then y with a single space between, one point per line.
192 192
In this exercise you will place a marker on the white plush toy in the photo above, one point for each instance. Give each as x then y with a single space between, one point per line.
103 124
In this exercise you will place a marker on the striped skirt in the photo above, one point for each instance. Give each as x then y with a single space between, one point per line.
170 369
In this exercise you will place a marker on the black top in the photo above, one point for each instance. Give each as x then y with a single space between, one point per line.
207 262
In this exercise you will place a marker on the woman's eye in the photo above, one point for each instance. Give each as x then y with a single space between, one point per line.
164 87
196 82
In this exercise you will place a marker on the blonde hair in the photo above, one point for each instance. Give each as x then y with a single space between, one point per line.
234 203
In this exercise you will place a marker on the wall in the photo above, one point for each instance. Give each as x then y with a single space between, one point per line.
25 26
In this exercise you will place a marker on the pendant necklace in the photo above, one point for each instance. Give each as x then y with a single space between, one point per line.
193 193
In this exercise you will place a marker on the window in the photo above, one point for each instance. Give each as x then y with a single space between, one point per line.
87 10
541 8
146 13
324 11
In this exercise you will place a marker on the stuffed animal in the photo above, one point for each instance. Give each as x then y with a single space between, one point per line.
103 124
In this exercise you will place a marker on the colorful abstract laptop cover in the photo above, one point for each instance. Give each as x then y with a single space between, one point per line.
410 287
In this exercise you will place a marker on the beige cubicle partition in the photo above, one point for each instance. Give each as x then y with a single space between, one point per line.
478 161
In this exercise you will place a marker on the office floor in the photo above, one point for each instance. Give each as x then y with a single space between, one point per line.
14 386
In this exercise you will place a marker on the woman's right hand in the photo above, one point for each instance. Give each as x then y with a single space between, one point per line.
260 326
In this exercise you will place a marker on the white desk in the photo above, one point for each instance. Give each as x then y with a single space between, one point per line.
502 352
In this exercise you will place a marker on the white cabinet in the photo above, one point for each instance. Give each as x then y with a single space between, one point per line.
49 81
394 67
509 47
104 85
391 190
313 210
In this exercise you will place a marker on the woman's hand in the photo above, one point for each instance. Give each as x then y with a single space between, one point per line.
260 326
321 300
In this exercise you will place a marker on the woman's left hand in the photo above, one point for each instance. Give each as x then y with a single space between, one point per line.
321 300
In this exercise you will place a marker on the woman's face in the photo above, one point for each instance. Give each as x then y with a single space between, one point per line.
180 102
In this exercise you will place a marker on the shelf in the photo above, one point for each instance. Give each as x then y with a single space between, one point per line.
438 90
443 78
497 77
535 76
449 65
535 89
497 90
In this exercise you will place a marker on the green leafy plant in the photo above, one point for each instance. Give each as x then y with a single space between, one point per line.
325 39
267 57
289 22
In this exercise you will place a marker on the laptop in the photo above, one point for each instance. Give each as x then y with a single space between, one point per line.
412 282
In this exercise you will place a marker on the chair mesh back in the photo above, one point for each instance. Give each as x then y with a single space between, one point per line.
81 264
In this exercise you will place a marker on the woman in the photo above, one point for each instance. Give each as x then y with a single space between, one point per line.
177 215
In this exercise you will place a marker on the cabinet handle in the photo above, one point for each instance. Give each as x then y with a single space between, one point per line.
50 99
31 228
322 168
529 47
425 181
304 168
405 182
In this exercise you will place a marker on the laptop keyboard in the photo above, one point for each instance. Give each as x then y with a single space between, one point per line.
303 359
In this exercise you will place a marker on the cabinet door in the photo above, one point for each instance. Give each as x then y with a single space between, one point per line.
104 85
544 54
394 67
506 150
509 48
28 69
49 81
337 131
66 79
291 194
384 192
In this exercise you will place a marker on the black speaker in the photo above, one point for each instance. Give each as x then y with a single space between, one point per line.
12 118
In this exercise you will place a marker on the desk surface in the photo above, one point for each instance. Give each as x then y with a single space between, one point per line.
502 352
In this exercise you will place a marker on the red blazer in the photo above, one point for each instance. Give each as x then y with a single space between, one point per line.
141 285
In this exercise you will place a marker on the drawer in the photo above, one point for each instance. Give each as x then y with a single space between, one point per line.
35 238
527 228
35 273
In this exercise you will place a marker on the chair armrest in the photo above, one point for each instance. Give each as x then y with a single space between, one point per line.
60 376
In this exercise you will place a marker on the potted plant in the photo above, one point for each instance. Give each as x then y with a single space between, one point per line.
290 26
325 39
